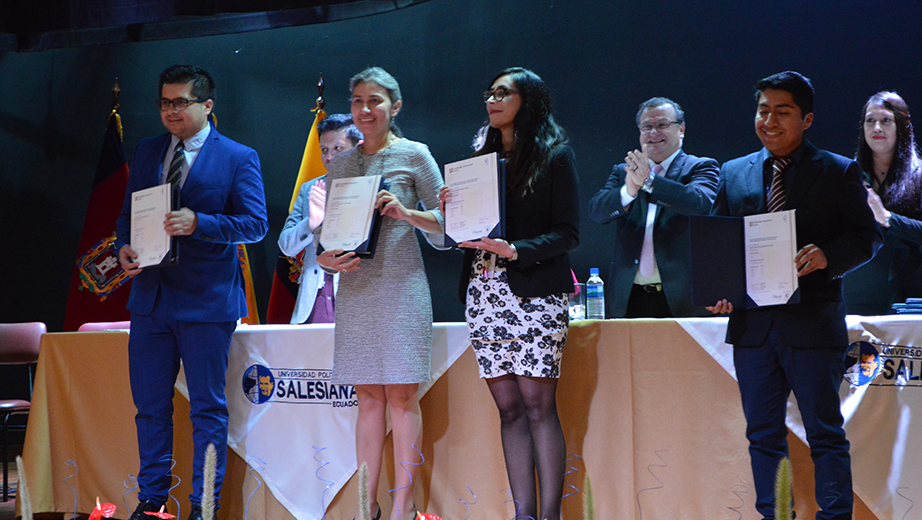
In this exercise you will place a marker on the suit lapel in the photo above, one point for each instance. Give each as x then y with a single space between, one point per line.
639 208
201 161
805 175
675 169
754 180
157 169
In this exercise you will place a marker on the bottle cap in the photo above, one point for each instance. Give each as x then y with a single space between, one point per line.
593 271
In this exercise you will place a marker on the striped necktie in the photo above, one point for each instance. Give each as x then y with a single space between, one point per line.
776 196
175 173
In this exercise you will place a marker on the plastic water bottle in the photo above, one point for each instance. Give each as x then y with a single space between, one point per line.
595 296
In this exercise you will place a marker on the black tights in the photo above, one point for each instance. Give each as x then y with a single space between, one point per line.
532 438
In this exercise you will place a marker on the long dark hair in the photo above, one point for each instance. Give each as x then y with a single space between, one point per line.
901 190
536 132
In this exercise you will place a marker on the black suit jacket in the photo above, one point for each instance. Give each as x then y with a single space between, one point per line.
544 226
833 214
687 188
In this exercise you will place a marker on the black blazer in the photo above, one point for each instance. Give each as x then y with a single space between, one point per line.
543 226
687 188
833 214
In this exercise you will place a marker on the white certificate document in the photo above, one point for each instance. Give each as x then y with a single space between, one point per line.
149 239
770 242
349 212
474 209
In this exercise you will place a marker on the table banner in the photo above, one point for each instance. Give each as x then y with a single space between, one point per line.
289 422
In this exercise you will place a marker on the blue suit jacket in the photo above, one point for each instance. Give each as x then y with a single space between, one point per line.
833 214
687 188
225 190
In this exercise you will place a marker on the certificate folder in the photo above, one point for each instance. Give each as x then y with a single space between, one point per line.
719 249
352 223
478 199
172 258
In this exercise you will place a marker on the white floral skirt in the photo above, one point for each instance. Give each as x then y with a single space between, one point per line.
512 335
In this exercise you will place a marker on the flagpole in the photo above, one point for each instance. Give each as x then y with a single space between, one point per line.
115 108
288 269
99 286
321 103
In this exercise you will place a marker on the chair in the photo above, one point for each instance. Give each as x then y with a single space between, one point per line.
19 345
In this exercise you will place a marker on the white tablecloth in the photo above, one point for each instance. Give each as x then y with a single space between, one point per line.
880 413
289 423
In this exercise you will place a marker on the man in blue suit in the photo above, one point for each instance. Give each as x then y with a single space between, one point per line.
649 197
797 347
188 311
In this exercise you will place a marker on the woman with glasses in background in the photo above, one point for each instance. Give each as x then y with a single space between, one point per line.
515 288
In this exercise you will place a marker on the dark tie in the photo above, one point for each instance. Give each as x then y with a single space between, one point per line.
776 196
175 173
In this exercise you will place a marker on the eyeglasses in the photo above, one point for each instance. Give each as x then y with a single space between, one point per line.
498 93
661 126
178 104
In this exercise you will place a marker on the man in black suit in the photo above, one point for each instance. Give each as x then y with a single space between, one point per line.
649 197
797 347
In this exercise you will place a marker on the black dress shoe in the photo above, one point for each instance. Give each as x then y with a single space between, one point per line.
143 507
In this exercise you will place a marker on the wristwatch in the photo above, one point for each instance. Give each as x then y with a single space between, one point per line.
515 253
648 183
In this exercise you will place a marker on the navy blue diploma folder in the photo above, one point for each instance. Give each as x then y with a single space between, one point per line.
718 262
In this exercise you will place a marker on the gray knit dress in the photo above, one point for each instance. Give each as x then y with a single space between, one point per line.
384 309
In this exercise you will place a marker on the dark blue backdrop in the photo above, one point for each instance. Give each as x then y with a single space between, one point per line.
601 59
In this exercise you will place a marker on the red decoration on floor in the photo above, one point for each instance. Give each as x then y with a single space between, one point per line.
160 514
104 510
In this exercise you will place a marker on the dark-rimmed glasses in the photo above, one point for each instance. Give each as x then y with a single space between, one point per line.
178 104
660 126
498 93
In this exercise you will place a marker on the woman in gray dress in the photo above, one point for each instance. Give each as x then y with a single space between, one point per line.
383 337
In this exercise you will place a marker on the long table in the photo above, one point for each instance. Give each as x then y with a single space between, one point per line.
650 412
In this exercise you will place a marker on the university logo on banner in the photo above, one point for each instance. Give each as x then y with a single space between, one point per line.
880 364
263 384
